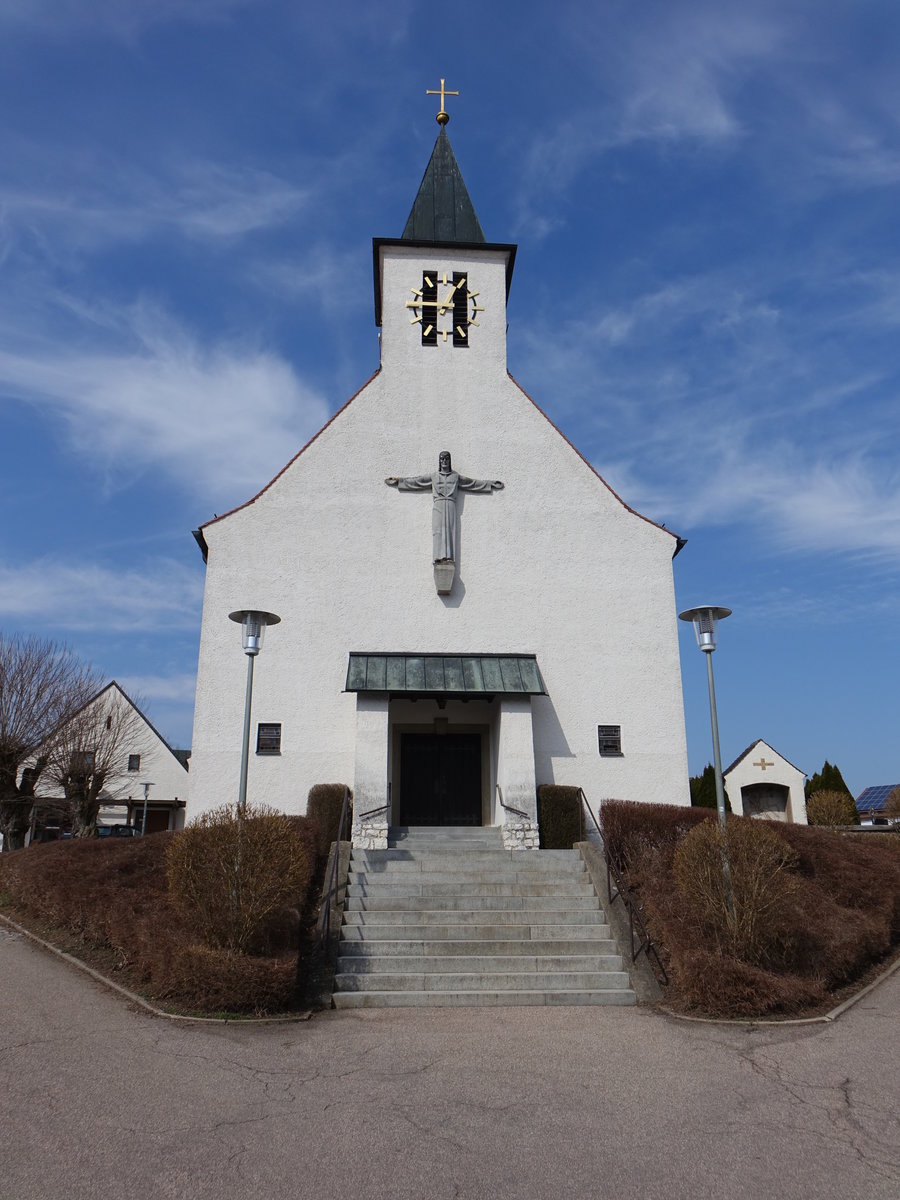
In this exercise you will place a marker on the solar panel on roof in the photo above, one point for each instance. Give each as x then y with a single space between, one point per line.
873 799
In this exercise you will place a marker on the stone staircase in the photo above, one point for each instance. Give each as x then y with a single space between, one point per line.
446 916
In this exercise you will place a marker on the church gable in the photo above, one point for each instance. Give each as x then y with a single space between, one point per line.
438 544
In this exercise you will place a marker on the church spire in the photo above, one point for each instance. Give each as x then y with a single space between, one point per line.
442 211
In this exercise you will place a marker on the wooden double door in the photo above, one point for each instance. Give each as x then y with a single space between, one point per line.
440 779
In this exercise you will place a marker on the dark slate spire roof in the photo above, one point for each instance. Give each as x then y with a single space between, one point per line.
442 211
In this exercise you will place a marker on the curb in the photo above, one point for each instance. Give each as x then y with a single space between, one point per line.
749 1022
825 1019
134 998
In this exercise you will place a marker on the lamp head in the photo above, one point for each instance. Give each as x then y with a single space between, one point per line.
253 624
705 619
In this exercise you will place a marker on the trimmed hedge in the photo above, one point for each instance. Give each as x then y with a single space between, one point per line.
324 806
230 872
111 895
560 816
837 909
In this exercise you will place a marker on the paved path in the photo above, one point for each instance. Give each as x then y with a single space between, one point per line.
99 1101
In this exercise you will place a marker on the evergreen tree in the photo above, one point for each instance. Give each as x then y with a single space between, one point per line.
703 789
829 779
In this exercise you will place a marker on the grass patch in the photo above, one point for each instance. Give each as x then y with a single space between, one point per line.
814 911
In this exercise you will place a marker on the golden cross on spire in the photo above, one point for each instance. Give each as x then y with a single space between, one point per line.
442 117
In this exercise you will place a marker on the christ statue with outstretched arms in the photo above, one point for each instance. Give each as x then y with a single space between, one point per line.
443 485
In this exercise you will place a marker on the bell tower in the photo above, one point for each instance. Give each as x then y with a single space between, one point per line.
441 287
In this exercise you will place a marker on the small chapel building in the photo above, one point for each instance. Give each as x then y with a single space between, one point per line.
467 608
768 786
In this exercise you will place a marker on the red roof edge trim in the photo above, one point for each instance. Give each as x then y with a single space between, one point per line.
680 541
291 462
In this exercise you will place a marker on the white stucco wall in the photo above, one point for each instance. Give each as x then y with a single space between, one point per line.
748 771
553 565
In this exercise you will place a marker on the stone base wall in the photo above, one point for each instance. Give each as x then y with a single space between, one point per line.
521 835
370 833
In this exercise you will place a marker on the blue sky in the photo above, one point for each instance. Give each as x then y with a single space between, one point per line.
706 301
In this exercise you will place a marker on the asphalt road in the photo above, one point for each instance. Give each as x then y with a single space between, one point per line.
97 1101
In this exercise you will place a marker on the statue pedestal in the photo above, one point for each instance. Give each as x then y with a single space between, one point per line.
444 571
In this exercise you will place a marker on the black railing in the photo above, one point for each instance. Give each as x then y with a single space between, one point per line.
622 892
509 807
331 885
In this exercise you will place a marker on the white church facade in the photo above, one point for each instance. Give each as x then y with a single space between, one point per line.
467 609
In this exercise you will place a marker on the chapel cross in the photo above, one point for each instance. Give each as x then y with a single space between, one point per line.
762 763
443 485
443 117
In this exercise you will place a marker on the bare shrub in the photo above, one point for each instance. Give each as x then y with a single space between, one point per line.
715 983
216 981
229 872
113 895
831 808
750 923
631 829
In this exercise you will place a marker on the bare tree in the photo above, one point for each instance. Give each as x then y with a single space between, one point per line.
892 804
87 755
42 683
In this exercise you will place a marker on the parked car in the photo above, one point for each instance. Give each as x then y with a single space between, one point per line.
117 831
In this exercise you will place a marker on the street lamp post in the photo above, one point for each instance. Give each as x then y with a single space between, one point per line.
147 787
705 620
253 624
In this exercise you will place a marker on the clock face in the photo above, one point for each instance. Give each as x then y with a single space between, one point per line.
444 307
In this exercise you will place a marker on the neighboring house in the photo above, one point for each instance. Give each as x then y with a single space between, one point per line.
445 652
112 733
762 783
870 804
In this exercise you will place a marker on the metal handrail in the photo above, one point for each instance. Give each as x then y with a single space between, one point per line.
623 893
372 811
509 807
332 887
381 808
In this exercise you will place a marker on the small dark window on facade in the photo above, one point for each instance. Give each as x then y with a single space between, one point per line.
268 739
29 778
610 740
134 762
82 761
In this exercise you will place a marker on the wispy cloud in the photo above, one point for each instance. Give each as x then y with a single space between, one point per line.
123 19
84 597
219 419
113 202
705 404
673 77
177 688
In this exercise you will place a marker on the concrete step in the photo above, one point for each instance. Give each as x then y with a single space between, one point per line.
475 933
434 856
503 873
395 903
448 917
484 916
413 887
450 964
481 999
371 949
441 834
514 981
